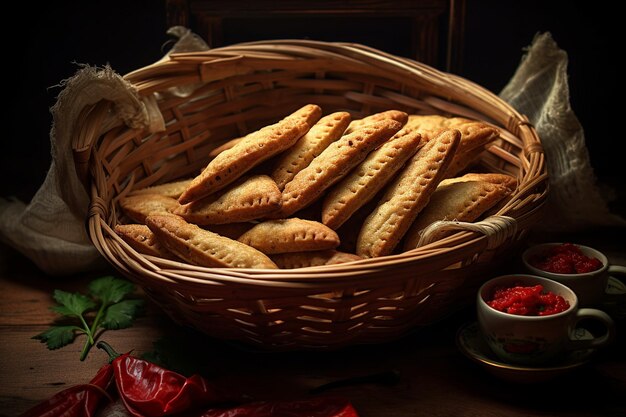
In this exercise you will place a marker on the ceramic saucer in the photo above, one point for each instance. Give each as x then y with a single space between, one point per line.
471 343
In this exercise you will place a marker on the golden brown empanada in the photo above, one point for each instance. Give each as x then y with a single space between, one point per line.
462 201
169 189
290 235
463 161
396 115
505 180
309 113
406 196
327 130
225 146
251 151
141 238
247 199
475 136
333 164
362 183
202 247
138 206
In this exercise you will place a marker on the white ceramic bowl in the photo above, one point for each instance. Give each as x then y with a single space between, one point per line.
590 287
534 340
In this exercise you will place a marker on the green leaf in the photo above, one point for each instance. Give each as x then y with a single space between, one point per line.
72 304
105 307
121 315
58 336
110 289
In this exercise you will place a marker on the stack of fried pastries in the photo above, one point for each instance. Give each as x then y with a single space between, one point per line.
314 189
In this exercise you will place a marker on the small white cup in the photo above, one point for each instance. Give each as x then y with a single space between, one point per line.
590 287
532 340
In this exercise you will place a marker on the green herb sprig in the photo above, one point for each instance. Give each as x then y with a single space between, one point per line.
106 305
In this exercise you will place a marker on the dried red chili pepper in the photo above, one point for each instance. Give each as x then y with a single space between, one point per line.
149 390
77 401
317 407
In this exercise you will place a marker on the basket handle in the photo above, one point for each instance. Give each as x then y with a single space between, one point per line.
96 92
497 229
101 100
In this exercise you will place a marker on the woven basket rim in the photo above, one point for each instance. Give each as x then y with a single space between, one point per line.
233 88
176 66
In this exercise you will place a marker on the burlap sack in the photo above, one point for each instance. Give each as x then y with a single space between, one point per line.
539 89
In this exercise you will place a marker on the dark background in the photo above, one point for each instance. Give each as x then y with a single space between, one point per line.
53 38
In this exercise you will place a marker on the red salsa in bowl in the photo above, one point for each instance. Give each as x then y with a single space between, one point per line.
527 301
565 259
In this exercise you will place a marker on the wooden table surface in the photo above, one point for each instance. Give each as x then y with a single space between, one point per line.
435 379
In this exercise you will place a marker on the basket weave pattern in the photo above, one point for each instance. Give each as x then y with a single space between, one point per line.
210 97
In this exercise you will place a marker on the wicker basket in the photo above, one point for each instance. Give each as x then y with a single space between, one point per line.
237 89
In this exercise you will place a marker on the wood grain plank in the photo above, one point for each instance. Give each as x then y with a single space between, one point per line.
31 373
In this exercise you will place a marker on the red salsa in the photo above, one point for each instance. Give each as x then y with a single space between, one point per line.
527 301
565 259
